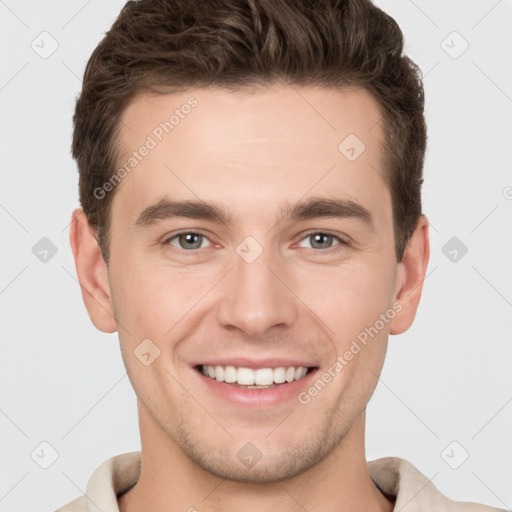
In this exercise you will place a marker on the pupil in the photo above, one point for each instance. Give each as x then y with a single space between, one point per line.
189 239
322 238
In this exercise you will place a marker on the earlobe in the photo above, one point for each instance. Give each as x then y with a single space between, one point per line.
412 270
92 273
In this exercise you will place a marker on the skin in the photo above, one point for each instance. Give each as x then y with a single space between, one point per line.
249 153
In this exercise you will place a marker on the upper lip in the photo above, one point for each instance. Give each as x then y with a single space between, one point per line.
244 362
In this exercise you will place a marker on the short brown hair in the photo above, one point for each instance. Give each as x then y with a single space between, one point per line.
159 45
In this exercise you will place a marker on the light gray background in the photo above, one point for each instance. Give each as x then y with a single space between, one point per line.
447 379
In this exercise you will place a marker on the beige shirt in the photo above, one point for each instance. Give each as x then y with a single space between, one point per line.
391 475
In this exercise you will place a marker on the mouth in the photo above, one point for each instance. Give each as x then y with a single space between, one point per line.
255 378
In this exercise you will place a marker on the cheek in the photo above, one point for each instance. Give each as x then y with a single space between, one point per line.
349 297
151 299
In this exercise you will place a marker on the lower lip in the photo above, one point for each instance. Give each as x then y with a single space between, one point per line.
257 397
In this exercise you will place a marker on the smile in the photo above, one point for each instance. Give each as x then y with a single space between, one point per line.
259 378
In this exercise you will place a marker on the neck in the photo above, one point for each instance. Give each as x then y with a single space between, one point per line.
170 481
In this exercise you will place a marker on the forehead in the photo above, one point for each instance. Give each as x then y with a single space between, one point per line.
267 145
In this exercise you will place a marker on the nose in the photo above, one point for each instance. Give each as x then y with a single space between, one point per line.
256 297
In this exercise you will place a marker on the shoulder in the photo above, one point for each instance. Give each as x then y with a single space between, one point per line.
402 479
77 505
113 477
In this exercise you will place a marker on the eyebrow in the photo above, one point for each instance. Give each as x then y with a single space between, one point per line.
311 208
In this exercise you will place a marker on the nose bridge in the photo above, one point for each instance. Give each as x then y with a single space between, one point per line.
255 299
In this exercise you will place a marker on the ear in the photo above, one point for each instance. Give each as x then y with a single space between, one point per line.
411 274
92 273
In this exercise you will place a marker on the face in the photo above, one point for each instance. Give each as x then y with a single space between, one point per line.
252 236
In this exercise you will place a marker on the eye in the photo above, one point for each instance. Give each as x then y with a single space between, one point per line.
320 240
191 240
188 240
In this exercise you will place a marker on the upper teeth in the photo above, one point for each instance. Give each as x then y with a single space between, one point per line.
248 376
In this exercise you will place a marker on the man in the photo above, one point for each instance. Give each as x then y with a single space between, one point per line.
250 178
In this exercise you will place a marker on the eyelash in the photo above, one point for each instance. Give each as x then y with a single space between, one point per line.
342 243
